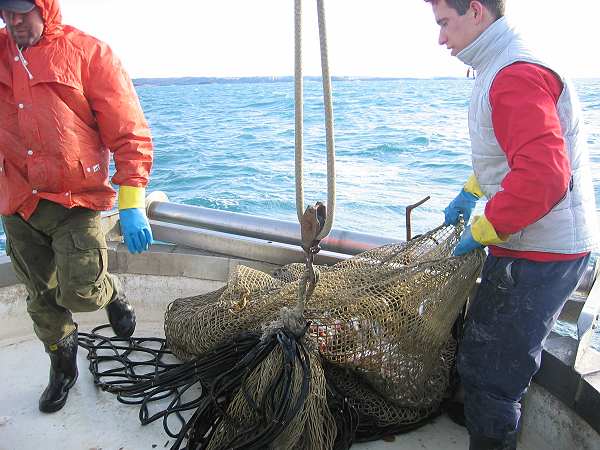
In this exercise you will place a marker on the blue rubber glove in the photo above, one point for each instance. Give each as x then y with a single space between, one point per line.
467 243
462 204
135 229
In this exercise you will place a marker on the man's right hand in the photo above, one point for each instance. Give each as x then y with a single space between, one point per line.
463 205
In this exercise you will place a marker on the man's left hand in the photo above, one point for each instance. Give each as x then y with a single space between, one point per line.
135 229
477 235
466 244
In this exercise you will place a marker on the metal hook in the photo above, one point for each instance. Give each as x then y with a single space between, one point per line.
409 209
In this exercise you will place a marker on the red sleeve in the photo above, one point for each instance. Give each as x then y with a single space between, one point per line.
121 122
523 98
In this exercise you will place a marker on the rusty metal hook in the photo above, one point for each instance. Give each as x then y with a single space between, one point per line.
409 209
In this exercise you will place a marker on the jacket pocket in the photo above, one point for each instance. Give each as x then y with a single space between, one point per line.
92 167
46 173
85 172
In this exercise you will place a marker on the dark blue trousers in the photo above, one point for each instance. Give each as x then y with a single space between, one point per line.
511 316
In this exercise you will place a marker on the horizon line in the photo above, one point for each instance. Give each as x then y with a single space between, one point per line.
318 77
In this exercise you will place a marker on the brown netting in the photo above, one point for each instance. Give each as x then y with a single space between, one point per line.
381 320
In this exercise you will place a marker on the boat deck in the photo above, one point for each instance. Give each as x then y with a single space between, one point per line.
95 420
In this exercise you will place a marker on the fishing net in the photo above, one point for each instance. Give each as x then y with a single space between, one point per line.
380 322
373 354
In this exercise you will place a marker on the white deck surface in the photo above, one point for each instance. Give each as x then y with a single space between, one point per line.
95 420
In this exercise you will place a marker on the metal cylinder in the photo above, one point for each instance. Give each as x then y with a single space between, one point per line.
339 241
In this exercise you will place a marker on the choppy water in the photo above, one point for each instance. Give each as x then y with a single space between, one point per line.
230 146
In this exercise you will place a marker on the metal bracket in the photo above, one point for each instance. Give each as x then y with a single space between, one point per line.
409 209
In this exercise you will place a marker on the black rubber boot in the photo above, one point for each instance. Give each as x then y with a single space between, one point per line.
456 412
120 313
486 443
63 373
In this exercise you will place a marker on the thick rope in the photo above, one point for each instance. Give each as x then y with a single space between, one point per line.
328 121
298 101
327 101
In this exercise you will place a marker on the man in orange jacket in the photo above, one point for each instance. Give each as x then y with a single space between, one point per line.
65 104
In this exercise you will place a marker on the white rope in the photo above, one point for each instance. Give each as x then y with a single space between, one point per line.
298 101
327 101
24 62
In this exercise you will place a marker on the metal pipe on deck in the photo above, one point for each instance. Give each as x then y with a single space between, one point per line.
338 241
279 231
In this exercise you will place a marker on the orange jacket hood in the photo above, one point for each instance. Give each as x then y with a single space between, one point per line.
52 17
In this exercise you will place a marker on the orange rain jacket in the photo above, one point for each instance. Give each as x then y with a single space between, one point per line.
63 108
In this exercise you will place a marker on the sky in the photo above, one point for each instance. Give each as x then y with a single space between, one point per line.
388 38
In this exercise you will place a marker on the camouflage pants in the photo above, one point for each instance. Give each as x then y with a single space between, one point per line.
61 257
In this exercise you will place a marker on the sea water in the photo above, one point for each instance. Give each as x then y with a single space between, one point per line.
228 144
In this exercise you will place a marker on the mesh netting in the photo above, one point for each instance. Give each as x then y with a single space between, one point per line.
381 322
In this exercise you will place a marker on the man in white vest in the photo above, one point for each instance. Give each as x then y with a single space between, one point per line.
530 162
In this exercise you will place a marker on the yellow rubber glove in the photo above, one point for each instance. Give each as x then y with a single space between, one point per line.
132 197
472 186
484 233
477 235
464 203
135 228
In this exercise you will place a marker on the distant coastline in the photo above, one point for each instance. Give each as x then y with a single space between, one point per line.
273 79
182 81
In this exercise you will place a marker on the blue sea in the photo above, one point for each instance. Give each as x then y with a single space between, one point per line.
229 144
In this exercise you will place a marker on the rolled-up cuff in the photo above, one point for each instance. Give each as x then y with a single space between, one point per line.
132 197
472 186
484 233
